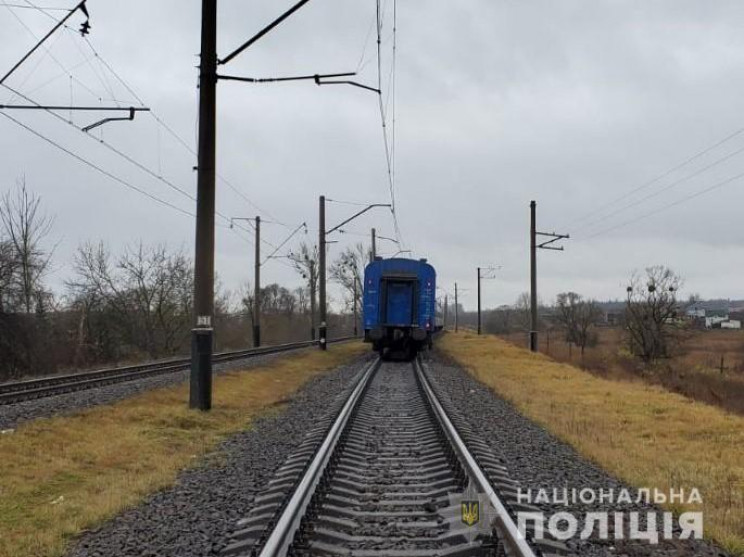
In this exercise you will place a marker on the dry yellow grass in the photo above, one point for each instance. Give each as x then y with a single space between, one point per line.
643 434
62 475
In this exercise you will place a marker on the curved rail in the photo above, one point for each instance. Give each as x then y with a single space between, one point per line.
18 391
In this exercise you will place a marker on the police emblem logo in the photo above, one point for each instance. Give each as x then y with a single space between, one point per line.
470 512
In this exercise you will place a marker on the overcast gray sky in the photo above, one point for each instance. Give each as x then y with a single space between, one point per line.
575 104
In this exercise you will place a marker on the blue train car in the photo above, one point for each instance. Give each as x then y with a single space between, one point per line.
399 305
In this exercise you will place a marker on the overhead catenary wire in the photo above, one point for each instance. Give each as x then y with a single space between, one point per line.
96 167
389 149
665 189
176 136
114 149
689 160
670 205
103 80
109 147
32 7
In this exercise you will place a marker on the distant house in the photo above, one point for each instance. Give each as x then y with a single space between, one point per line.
715 321
694 312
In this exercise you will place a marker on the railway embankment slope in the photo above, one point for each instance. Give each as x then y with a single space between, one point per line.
644 435
63 475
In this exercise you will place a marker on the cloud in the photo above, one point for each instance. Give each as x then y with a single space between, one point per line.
573 104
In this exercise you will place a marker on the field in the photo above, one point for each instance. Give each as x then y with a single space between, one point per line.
643 434
695 371
62 475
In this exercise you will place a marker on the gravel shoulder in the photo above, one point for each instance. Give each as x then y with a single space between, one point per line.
195 516
537 459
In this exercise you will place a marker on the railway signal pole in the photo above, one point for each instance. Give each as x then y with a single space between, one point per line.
534 246
322 233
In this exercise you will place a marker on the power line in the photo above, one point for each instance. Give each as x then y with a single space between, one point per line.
109 147
665 189
96 167
175 135
32 7
663 175
670 205
120 153
389 149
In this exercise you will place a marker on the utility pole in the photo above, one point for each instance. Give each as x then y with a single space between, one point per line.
489 275
444 317
533 278
534 246
457 309
322 279
356 328
479 300
257 288
312 300
202 337
200 395
322 233
373 251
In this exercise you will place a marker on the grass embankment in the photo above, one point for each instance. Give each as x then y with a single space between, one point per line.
694 370
643 434
62 475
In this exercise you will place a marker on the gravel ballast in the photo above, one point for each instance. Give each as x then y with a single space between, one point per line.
11 415
195 516
537 459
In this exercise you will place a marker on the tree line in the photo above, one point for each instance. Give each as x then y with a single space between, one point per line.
137 304
651 316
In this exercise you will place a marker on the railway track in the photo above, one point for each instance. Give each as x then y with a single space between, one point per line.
19 391
394 473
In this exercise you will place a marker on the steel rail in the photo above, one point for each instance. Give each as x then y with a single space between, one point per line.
283 532
48 386
286 526
505 526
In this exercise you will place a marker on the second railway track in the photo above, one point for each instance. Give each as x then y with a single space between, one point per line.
390 476
19 391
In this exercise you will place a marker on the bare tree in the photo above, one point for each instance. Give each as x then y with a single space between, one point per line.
24 227
348 271
650 313
143 300
578 317
522 311
8 266
305 262
26 328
